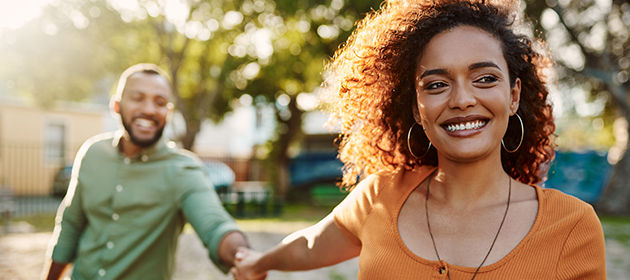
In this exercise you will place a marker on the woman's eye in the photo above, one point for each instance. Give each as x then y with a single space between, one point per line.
487 79
435 85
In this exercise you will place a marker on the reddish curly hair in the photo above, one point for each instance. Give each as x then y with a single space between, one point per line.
373 81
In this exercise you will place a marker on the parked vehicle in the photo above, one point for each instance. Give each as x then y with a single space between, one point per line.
308 169
61 181
219 174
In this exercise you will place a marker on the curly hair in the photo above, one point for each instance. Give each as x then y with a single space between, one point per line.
374 72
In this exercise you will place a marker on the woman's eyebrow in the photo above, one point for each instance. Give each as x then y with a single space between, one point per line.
483 64
433 72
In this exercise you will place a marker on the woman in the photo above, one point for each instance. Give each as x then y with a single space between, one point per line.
445 109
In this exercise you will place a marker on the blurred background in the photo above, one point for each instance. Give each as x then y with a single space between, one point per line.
247 78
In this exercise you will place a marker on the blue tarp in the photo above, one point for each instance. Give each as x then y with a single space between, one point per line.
581 174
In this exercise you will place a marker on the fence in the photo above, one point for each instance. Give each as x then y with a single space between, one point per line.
27 173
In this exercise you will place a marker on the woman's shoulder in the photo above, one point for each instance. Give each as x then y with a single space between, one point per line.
392 183
557 199
563 208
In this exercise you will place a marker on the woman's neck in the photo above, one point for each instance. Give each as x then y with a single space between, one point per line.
462 185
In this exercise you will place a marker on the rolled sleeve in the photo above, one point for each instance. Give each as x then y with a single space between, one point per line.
203 210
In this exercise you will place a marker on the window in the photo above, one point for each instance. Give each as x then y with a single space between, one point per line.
55 142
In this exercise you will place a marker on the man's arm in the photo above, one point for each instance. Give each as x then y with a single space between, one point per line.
216 229
70 222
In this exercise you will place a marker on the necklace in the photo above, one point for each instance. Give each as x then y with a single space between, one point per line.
426 208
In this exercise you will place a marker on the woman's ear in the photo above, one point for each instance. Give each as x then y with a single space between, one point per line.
515 96
415 112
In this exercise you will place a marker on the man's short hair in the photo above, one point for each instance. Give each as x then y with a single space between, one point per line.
147 68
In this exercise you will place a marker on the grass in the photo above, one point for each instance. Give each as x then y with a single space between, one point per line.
40 222
298 216
617 228
294 217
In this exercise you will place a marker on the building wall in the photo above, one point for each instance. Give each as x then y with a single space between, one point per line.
27 163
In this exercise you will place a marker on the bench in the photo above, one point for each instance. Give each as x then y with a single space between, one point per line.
242 194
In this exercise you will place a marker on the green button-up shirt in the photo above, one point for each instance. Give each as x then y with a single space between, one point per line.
122 216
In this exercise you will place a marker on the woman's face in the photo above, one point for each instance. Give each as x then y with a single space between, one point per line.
464 94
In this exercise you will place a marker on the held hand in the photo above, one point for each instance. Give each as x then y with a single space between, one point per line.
245 265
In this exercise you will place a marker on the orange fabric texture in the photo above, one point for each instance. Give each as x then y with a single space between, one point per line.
566 240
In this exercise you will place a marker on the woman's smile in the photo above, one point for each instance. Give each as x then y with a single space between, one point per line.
465 126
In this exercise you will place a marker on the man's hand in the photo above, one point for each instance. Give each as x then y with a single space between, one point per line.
245 265
55 271
229 245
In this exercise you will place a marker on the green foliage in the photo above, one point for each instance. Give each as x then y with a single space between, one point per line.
589 40
214 50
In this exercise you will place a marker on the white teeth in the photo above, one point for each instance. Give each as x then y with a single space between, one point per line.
145 122
465 126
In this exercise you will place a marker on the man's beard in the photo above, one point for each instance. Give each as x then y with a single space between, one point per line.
135 140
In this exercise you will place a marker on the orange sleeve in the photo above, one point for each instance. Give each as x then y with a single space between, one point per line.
583 254
352 212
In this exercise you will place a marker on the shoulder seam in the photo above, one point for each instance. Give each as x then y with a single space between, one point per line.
567 239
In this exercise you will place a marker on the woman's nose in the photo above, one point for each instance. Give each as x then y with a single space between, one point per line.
462 98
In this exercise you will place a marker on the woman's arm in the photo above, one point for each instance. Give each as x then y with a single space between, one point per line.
320 245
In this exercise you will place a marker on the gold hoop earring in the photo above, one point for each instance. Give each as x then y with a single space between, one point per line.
520 142
409 142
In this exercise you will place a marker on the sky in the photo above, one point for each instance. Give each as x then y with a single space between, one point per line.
15 13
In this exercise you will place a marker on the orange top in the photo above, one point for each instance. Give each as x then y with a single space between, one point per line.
566 240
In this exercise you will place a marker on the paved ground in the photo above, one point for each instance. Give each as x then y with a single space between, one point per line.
22 256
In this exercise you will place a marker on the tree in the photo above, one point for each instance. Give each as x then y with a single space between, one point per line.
58 56
214 51
591 41
304 35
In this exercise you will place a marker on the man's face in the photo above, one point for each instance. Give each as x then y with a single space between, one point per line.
144 107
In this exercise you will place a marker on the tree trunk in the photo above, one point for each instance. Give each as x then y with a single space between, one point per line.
192 128
615 199
290 129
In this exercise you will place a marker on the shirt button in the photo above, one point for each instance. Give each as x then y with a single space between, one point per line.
110 245
119 188
144 158
101 272
115 217
127 160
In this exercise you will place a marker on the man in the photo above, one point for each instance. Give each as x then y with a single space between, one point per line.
131 193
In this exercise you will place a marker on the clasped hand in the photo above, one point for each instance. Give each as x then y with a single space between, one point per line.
245 268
